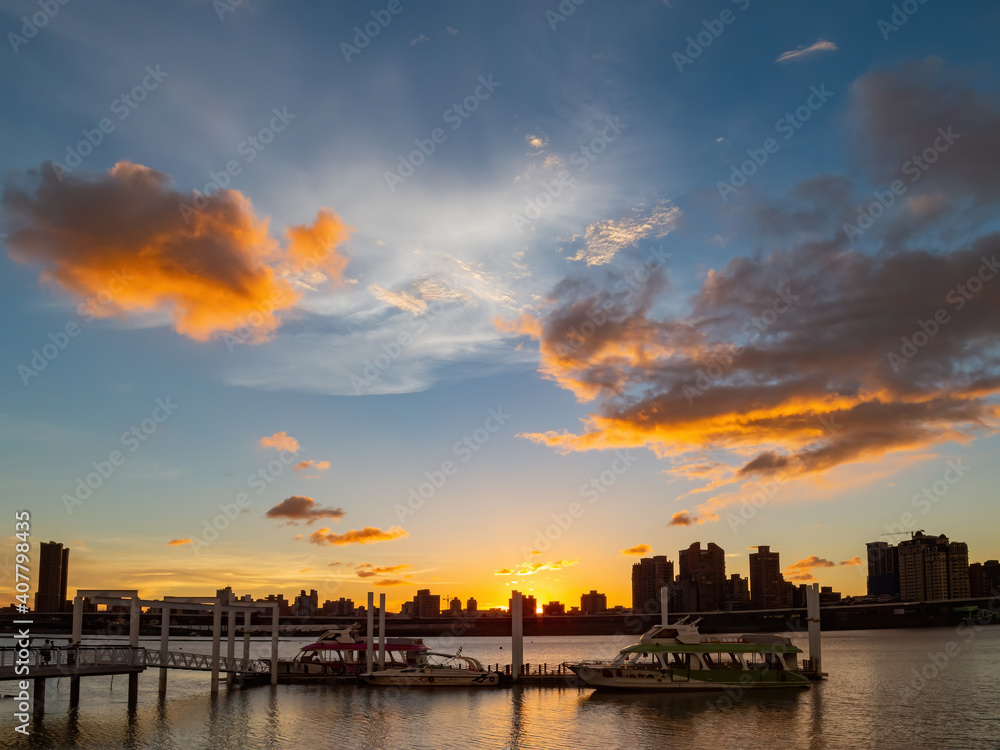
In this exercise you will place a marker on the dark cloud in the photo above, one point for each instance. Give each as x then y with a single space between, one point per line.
300 508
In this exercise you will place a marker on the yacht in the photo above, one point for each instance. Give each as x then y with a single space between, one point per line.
678 657
434 669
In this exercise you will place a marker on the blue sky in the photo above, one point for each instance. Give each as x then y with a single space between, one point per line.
587 113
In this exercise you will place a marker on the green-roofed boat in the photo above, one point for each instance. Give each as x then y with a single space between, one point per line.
678 657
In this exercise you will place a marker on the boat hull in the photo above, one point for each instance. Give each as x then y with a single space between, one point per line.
431 678
676 680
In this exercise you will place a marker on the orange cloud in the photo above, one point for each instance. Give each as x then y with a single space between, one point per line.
318 466
367 570
852 562
638 550
123 243
529 569
392 582
802 570
301 508
686 518
280 442
367 535
179 542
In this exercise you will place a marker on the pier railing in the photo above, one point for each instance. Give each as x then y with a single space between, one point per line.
70 658
203 662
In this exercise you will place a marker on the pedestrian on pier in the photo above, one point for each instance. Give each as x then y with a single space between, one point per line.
47 651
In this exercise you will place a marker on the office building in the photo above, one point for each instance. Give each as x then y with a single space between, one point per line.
553 608
984 579
883 569
426 604
931 567
593 603
472 605
737 592
53 572
767 585
649 575
701 578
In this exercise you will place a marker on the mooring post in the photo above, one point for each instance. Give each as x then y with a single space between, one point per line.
369 635
134 620
216 638
230 642
665 605
381 631
38 709
246 635
74 690
164 644
275 628
77 619
516 635
812 615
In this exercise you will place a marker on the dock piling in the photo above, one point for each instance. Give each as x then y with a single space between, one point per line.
516 634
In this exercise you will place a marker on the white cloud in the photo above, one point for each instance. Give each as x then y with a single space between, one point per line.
605 239
820 45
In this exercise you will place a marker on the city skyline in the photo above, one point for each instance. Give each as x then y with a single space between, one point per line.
483 297
766 586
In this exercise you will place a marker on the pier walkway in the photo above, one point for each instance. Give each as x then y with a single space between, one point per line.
111 660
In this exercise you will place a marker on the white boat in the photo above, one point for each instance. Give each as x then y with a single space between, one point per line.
434 670
341 652
677 657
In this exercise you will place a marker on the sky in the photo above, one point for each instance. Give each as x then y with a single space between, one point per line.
488 296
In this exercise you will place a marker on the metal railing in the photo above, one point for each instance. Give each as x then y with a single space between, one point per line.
203 662
39 657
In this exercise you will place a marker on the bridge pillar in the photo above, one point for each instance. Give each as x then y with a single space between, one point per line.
216 635
164 644
133 690
230 643
275 615
516 635
74 691
38 710
77 619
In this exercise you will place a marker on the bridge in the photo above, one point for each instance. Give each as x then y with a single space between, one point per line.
111 660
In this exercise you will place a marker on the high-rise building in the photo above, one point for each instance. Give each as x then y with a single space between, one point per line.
529 605
883 569
649 575
340 608
553 608
702 578
984 579
472 605
426 604
306 605
455 607
767 589
737 592
931 567
53 572
593 603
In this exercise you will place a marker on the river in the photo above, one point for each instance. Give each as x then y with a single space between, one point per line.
886 689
